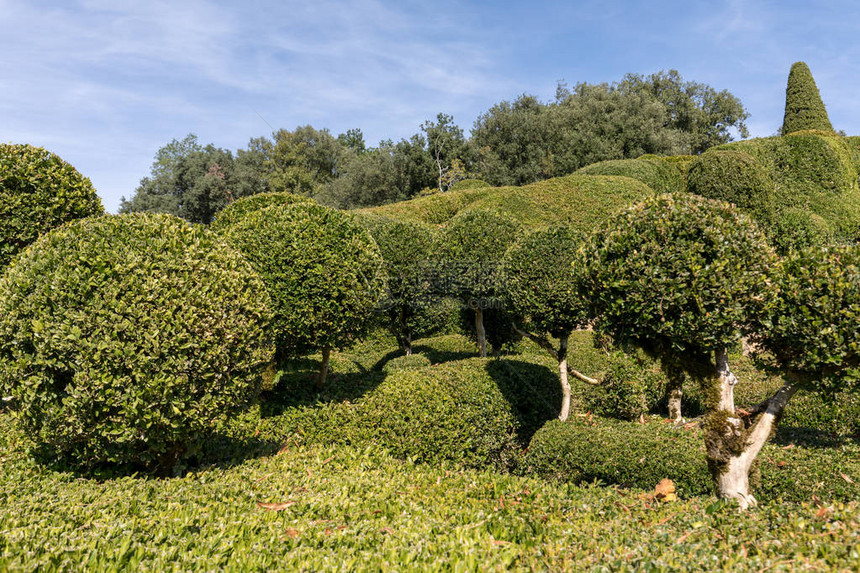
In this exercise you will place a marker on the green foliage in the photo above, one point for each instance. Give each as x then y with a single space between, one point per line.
470 248
812 324
38 191
451 412
677 275
469 184
194 182
540 283
576 200
410 362
123 337
735 177
524 141
833 414
804 109
237 210
808 173
584 450
797 229
655 173
322 270
360 509
631 387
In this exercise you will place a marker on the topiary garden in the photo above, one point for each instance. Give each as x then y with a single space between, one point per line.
686 319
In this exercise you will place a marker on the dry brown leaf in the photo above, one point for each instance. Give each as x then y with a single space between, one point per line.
846 478
276 506
664 488
292 533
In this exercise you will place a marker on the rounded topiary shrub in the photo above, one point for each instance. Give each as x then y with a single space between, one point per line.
655 173
323 271
795 229
38 191
235 211
735 177
123 338
631 387
453 412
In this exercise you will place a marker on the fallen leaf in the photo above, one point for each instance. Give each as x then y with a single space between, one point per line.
846 478
665 489
276 506
387 530
292 533
501 542
780 464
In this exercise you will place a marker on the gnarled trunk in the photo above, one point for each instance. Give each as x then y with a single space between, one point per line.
562 372
479 330
731 448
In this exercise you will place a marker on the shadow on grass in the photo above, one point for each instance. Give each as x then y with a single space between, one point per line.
811 438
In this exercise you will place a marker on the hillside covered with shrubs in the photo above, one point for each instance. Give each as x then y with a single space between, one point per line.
646 362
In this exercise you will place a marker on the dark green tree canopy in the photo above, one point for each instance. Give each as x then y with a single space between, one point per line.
38 191
804 109
323 271
540 281
812 325
678 275
194 182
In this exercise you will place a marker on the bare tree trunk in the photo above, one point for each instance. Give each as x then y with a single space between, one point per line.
479 330
323 373
562 372
732 449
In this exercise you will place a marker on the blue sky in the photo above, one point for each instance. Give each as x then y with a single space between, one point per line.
105 83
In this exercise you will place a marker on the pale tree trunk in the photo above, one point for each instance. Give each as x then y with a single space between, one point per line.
675 393
731 448
479 330
323 373
562 372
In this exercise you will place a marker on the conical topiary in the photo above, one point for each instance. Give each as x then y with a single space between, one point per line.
803 106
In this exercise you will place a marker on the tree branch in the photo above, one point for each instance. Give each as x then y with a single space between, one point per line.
547 345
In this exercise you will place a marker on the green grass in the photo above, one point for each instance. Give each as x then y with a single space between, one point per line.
248 503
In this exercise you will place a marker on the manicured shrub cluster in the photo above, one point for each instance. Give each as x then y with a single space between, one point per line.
804 109
836 414
580 201
122 338
735 177
799 228
454 412
677 274
655 173
237 210
38 191
584 450
322 270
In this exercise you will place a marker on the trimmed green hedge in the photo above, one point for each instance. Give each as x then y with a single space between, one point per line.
469 184
735 177
809 175
323 272
804 109
38 191
655 173
584 450
237 210
409 362
123 337
580 201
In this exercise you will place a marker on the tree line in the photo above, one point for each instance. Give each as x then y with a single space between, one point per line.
513 143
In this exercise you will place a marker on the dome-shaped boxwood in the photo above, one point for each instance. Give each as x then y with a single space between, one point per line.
323 272
123 337
235 211
735 177
38 191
